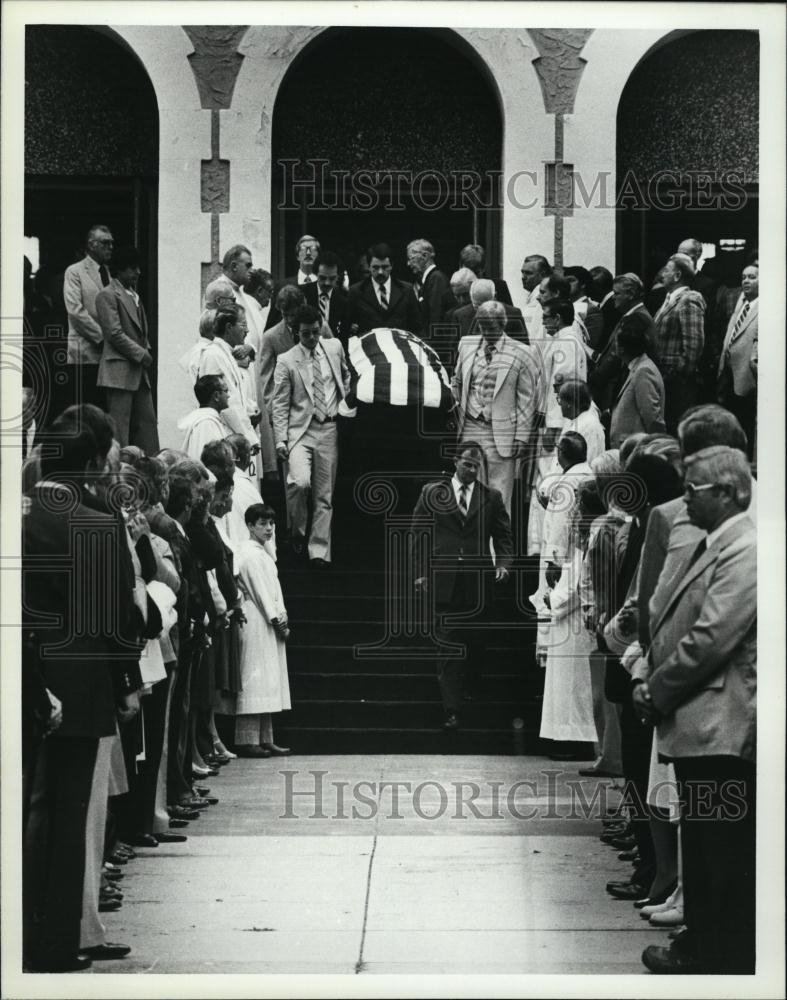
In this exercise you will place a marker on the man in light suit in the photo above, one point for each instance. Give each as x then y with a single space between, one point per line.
701 694
465 516
380 299
496 388
127 358
309 386
81 284
737 372
639 407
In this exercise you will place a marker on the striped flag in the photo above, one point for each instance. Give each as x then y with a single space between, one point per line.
395 367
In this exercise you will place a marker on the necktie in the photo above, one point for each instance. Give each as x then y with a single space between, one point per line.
308 279
463 500
103 274
383 297
324 303
698 553
736 329
488 383
318 389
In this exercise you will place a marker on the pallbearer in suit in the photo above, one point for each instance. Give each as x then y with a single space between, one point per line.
127 357
382 300
466 516
737 374
327 295
309 384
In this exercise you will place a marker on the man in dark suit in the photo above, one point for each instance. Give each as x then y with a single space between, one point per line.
327 295
473 257
127 358
465 516
430 284
601 291
382 300
306 250
70 563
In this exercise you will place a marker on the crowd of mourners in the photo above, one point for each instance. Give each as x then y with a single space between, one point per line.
624 417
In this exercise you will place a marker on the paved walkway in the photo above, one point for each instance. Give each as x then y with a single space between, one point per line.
274 884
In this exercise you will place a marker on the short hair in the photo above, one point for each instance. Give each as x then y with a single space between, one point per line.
561 308
482 290
130 454
574 446
193 470
602 278
100 423
205 386
259 512
218 454
258 278
463 276
181 494
684 266
725 466
124 257
152 473
631 282
289 298
589 498
580 391
708 425
171 456
307 315
421 246
544 267
97 227
224 319
608 463
233 254
663 445
379 251
472 446
303 239
696 246
629 445
582 275
471 254
634 341
490 309
659 482
77 447
559 285
240 446
206 322
219 288
224 481
327 258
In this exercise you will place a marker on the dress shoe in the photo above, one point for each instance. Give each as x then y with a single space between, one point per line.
171 838
175 824
111 870
109 905
276 751
676 934
657 898
213 760
248 750
195 803
628 891
114 875
127 849
451 721
597 772
623 843
198 773
109 892
672 917
143 840
78 964
200 791
118 859
219 748
106 951
181 813
670 961
631 855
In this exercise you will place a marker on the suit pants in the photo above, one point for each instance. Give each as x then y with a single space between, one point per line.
636 746
142 796
501 472
92 930
178 761
160 815
311 476
454 674
55 845
134 417
718 838
681 391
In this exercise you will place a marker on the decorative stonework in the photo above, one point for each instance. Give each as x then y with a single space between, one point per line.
215 62
559 65
284 42
559 189
215 185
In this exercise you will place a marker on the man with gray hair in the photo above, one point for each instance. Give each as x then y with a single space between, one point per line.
701 695
680 339
430 284
535 268
483 290
496 388
474 256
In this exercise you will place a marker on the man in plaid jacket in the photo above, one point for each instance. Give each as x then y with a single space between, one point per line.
680 329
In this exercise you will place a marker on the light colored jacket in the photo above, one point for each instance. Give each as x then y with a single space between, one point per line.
81 285
125 328
639 407
743 349
293 399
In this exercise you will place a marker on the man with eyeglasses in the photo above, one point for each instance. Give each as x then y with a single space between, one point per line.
81 284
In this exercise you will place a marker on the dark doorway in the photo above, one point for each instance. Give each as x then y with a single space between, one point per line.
91 156
411 107
687 152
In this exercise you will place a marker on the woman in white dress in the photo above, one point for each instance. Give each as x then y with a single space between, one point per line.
263 657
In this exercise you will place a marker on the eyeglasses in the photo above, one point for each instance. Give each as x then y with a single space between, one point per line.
691 490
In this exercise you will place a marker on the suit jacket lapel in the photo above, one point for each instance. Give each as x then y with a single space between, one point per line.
396 294
750 317
336 374
503 347
307 374
127 303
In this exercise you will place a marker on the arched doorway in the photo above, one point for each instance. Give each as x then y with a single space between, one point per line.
91 156
397 116
687 152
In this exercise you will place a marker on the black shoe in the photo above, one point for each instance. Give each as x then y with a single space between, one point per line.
171 838
251 751
78 964
143 840
670 961
106 951
451 721
176 824
628 891
658 898
109 905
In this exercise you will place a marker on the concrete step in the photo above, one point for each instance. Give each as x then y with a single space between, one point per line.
409 715
428 740
377 686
